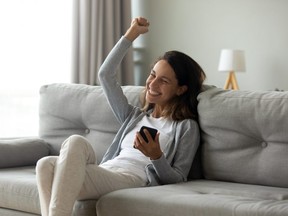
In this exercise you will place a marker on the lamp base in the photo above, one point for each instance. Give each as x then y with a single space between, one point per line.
231 82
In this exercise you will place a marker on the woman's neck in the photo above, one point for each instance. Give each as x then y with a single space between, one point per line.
157 112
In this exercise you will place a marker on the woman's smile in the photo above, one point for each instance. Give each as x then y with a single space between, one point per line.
153 93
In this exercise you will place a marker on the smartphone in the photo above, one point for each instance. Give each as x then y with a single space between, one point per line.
152 132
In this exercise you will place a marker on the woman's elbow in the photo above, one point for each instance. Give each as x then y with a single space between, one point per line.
101 74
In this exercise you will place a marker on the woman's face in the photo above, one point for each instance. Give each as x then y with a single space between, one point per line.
162 84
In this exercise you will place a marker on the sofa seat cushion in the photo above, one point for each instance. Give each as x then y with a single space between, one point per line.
244 136
194 198
18 189
11 212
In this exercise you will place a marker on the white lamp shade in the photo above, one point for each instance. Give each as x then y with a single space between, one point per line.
232 60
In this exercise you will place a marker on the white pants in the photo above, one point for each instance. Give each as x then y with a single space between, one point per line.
74 175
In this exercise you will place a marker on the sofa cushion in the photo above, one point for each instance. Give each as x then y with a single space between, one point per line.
10 212
200 197
18 189
22 152
244 136
67 109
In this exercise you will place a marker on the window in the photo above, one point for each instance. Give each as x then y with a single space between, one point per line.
35 49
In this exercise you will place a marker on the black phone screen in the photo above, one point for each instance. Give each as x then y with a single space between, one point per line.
152 132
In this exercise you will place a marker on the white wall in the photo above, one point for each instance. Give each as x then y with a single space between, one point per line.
201 28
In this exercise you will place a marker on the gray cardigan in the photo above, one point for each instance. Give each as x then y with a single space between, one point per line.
177 158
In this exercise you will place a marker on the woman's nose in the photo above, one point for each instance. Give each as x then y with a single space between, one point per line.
153 83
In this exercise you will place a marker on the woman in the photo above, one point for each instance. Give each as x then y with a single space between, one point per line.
171 107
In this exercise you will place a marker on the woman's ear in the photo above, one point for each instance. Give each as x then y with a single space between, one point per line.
182 90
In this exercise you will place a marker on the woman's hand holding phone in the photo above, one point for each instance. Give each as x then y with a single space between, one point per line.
147 141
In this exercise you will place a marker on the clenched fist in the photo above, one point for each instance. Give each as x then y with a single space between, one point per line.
138 26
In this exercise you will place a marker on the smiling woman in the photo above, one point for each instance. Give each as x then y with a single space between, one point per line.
36 39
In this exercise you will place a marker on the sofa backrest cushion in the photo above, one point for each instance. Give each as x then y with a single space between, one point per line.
67 109
244 136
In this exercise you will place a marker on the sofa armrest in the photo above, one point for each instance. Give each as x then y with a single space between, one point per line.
22 151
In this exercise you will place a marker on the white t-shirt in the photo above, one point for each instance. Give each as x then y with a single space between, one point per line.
131 159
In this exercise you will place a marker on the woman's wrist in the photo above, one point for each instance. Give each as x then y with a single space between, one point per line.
131 34
156 156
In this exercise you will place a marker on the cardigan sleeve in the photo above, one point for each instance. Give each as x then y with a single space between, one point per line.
187 141
108 79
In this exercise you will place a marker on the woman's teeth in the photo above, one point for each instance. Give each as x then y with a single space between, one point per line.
153 93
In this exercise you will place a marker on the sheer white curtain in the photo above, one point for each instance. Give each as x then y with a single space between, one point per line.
98 25
35 49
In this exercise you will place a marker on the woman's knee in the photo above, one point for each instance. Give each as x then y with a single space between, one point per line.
75 141
80 145
45 164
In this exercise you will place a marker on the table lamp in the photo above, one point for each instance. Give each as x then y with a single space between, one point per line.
231 61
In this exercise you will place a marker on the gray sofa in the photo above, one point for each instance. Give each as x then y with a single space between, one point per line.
241 168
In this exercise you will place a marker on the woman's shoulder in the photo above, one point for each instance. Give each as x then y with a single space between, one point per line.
188 124
188 121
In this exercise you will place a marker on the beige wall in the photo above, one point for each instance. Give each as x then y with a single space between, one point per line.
201 28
